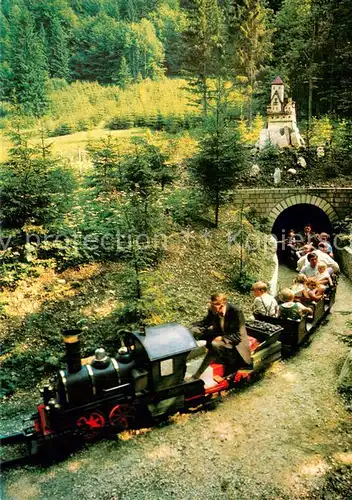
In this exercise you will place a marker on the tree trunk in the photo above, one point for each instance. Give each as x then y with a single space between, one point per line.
217 203
310 92
204 96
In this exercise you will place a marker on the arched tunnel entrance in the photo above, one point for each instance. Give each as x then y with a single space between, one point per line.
296 217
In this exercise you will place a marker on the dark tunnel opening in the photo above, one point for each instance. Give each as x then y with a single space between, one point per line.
296 217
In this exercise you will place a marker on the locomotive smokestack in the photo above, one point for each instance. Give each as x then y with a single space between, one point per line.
73 352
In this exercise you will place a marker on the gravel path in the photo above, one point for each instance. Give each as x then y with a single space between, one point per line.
286 437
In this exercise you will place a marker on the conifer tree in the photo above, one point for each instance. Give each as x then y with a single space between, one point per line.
124 76
28 66
34 185
59 54
217 166
253 45
201 41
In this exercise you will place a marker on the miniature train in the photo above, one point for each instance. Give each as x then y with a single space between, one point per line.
146 380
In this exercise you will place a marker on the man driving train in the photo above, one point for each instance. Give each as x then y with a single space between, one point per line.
225 332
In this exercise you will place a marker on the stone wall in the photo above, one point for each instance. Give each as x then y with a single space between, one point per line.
270 202
344 257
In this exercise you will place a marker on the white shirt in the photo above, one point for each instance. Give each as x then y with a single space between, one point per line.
329 261
323 257
323 276
265 304
309 271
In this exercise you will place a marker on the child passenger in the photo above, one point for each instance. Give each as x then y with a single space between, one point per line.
324 238
314 290
299 284
323 276
264 303
290 309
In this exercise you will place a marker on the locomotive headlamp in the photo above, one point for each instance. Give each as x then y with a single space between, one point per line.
100 354
101 360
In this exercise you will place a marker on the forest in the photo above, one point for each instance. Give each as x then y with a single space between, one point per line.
247 42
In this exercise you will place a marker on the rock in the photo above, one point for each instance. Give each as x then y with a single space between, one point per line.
282 141
255 171
301 162
263 138
296 140
320 151
292 171
344 382
61 281
277 176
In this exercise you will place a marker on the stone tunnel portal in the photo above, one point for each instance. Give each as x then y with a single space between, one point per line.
296 216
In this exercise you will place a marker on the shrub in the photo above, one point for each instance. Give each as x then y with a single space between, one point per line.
35 186
120 123
62 129
83 125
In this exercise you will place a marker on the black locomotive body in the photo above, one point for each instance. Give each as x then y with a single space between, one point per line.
147 377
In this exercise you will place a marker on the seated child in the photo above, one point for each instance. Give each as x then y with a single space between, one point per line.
324 238
323 277
291 239
314 290
290 309
299 284
324 247
264 303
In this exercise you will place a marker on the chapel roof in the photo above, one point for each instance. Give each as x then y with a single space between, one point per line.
277 81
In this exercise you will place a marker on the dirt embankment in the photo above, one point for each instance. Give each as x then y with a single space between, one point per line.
286 437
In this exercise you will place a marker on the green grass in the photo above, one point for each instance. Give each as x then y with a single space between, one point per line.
196 264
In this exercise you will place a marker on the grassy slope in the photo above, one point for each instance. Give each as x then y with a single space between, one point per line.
196 265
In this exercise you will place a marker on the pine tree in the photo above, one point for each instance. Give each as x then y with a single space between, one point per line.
35 186
253 45
217 166
124 76
27 62
201 40
59 56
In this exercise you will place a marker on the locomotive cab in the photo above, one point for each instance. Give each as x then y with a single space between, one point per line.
162 350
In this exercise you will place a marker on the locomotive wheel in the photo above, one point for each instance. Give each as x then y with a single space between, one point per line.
91 424
122 416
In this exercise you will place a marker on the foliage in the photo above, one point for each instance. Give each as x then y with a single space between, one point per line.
106 161
253 43
243 282
138 105
202 40
250 134
320 132
217 165
35 186
26 80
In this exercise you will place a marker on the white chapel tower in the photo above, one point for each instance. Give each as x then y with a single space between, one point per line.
281 128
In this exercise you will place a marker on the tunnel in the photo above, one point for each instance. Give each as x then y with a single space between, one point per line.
296 217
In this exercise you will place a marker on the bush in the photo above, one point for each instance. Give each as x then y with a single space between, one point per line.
120 123
63 129
35 186
83 125
243 282
185 206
